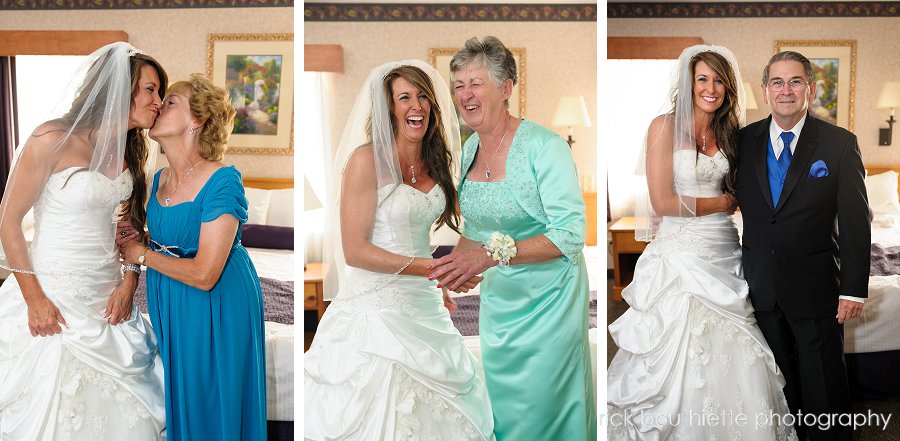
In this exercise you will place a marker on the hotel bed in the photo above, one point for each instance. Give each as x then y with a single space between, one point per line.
871 343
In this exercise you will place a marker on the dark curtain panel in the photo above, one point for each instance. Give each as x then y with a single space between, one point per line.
9 139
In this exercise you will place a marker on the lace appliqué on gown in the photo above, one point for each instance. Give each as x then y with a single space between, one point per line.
92 403
422 414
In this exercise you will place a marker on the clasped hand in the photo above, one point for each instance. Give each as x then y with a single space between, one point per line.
460 271
128 241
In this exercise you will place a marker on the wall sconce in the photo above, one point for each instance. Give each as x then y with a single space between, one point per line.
570 112
889 99
750 104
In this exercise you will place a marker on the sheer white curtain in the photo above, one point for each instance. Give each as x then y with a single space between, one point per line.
317 154
639 90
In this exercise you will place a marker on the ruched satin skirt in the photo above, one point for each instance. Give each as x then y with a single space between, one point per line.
388 364
689 346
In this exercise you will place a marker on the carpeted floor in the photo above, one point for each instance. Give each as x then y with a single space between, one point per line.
888 407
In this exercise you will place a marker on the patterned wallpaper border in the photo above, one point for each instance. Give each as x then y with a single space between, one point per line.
45 5
448 12
753 10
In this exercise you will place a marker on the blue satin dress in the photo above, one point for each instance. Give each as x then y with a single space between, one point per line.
534 317
212 343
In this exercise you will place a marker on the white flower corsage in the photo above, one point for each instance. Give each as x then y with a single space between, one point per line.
501 247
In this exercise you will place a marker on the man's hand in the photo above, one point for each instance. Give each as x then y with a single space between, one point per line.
848 309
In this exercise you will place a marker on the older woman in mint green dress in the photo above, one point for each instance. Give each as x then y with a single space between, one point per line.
519 184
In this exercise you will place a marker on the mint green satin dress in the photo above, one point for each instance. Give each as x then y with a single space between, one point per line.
534 317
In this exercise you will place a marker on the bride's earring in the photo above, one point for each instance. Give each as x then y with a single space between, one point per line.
192 130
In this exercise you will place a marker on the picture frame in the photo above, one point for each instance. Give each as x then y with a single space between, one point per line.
834 72
257 70
440 58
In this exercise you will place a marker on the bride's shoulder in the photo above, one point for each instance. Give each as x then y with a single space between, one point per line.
360 166
362 156
663 121
48 134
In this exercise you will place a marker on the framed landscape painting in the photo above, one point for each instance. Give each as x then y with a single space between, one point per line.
257 70
834 73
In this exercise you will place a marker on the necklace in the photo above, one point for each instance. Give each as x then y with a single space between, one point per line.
703 147
168 200
487 167
412 170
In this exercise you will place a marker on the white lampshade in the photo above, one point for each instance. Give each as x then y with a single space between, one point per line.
751 99
890 96
310 201
571 112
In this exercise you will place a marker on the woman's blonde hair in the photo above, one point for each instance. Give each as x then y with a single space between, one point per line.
210 105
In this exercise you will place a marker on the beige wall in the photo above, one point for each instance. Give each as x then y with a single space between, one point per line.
561 59
752 40
177 38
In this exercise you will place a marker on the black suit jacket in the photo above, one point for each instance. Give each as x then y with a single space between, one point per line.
813 244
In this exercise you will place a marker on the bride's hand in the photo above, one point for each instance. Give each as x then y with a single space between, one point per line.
449 303
730 202
458 268
118 310
465 287
44 317
125 233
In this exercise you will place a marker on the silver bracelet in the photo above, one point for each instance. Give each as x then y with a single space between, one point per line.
132 267
408 263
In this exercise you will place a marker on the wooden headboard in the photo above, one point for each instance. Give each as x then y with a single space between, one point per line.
876 169
269 183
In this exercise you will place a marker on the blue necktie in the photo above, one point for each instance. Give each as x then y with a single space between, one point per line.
785 159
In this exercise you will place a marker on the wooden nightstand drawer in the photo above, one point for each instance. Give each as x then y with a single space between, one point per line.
624 242
309 295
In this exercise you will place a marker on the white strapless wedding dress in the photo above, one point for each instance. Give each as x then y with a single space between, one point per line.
94 381
692 363
386 362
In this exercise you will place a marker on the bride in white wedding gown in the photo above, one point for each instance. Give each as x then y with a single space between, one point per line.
692 363
386 362
77 359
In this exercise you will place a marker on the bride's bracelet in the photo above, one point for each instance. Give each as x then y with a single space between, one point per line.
132 267
408 263
501 247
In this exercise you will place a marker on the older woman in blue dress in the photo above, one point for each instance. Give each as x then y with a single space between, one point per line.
203 293
520 200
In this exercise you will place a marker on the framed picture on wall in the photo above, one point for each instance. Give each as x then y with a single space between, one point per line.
834 73
257 70
440 59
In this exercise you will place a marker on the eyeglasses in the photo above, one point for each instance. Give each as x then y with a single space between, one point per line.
796 84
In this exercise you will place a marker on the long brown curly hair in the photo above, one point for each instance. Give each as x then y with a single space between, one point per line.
136 147
435 151
725 122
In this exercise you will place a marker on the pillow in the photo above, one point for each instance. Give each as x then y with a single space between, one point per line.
281 208
267 236
257 205
882 192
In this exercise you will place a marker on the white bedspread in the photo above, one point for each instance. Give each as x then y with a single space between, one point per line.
877 328
279 265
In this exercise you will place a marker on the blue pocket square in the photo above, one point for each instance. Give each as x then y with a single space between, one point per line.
818 169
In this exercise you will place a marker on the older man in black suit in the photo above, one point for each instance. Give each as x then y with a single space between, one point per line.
806 242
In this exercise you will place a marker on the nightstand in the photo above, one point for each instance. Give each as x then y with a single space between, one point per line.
625 252
313 289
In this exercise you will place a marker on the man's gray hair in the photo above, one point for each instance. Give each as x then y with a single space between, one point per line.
490 53
789 56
